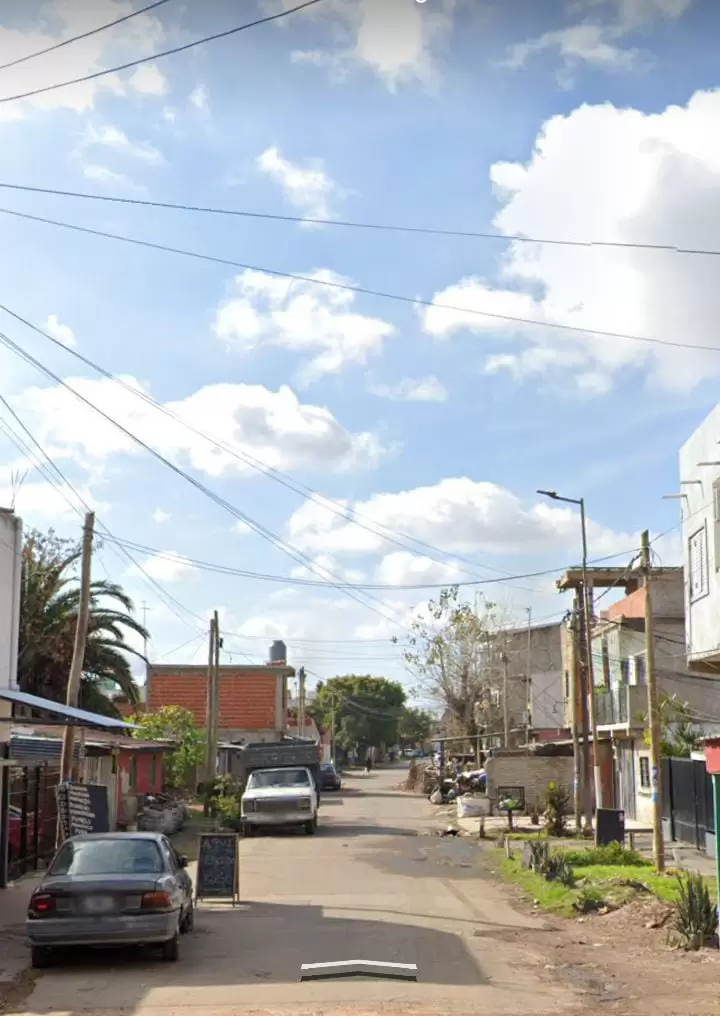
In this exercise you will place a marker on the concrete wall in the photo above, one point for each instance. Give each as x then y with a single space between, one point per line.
533 772
697 482
10 572
543 692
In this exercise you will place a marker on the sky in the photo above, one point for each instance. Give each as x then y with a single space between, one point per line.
308 408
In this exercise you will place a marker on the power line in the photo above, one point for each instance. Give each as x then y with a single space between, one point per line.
156 56
352 224
342 511
83 35
362 290
216 498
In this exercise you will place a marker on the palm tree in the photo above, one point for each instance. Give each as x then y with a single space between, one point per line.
48 618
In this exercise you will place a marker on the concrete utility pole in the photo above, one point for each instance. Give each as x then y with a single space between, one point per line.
589 669
78 657
653 710
209 699
528 680
216 694
574 719
301 702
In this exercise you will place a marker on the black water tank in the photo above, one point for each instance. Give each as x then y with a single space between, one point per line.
278 652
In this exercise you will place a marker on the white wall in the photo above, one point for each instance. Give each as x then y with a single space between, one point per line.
702 612
10 572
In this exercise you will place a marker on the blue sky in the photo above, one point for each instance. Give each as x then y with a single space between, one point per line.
583 120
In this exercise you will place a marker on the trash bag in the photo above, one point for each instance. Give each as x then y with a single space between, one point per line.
436 797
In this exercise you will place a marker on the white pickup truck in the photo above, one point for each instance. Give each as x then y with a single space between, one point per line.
280 797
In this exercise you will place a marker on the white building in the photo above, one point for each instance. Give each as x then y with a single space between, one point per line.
700 501
10 575
535 684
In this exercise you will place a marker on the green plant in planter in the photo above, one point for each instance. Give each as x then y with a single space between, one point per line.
510 805
557 808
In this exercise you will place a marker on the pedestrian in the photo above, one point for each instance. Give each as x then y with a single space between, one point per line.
368 764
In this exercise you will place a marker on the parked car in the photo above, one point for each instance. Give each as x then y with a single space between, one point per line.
330 778
15 829
111 889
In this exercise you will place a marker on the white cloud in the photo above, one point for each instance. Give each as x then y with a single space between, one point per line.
161 516
39 503
60 332
149 80
199 98
241 528
61 19
327 569
101 174
398 41
427 389
274 427
403 568
597 42
167 567
618 175
112 137
457 514
308 188
303 318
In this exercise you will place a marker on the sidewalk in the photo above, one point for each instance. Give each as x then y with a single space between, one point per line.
14 952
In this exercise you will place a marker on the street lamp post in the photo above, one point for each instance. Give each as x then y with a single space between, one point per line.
587 612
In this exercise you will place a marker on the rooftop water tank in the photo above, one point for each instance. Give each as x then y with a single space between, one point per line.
278 652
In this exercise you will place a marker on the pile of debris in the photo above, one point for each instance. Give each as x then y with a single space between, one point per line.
162 814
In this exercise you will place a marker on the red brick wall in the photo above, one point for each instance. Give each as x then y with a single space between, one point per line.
144 782
247 701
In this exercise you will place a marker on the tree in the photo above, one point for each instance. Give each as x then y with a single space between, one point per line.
416 725
48 618
679 736
456 656
367 710
174 723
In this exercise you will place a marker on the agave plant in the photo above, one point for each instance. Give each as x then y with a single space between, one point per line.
48 618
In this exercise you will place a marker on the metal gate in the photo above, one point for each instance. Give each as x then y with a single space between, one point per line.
32 816
687 800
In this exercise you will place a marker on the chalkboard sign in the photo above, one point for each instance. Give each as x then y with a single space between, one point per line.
217 867
83 808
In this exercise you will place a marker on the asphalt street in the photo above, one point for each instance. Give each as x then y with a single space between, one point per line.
376 883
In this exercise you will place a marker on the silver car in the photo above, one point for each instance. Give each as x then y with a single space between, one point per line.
111 889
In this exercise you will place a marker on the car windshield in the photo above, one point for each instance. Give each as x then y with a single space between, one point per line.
108 857
328 767
279 778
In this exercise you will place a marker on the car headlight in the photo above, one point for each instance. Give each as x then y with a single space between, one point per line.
305 804
249 806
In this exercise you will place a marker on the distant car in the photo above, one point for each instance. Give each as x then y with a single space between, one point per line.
329 777
111 889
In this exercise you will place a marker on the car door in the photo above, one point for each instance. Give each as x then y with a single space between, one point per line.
183 879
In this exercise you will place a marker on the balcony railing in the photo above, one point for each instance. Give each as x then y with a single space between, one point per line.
623 706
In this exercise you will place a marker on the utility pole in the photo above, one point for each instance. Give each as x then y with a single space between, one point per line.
584 719
301 701
528 685
653 709
78 656
145 610
332 727
216 692
589 670
209 698
574 724
506 713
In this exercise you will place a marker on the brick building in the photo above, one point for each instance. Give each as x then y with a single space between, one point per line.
252 699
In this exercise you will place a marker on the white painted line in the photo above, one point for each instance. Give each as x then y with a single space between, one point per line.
359 963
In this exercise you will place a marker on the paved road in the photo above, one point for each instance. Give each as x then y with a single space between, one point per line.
373 884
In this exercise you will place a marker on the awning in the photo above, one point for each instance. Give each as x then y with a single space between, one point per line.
78 717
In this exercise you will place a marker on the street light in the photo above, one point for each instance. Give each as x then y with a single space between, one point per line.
580 501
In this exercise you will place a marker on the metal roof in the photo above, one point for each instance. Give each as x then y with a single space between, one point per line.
81 717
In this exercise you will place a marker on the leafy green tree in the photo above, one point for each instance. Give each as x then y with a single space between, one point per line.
367 710
175 723
416 725
48 618
679 736
456 656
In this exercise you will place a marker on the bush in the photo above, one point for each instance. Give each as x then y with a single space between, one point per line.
229 812
553 867
557 808
695 918
613 853
588 899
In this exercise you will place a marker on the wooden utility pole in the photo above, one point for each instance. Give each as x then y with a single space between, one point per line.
574 719
584 719
301 702
209 699
215 694
653 709
506 711
78 656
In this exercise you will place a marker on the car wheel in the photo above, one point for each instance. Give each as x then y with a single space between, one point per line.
40 957
311 826
171 950
188 922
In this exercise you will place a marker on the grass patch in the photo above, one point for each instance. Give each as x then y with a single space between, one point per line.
598 883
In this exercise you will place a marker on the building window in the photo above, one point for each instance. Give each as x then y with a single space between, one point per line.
605 664
625 671
639 669
133 772
644 772
697 564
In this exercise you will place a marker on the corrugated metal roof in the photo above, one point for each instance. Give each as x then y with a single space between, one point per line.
79 716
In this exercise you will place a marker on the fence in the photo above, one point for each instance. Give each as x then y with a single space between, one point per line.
687 800
32 818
